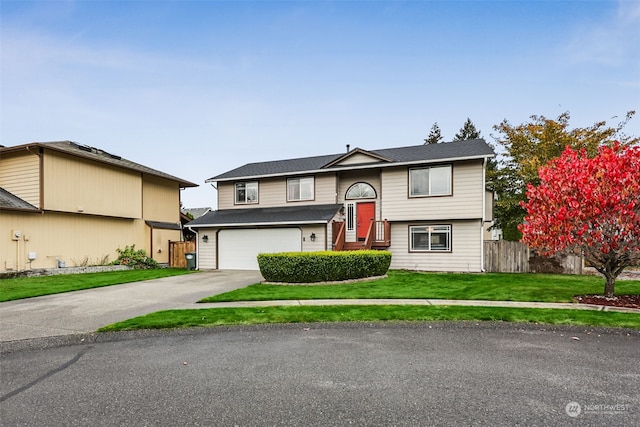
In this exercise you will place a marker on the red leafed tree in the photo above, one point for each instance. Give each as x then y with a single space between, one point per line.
588 206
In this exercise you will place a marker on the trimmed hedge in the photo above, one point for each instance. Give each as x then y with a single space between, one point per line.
326 266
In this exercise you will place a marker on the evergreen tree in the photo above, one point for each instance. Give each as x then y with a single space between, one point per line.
434 135
467 131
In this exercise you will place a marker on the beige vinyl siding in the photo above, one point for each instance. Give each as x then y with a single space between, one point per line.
70 237
207 257
488 203
273 192
357 159
465 203
20 175
465 255
320 244
161 199
74 185
347 179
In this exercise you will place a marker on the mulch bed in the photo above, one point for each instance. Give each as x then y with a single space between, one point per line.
628 301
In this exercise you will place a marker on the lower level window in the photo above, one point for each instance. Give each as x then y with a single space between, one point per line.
433 238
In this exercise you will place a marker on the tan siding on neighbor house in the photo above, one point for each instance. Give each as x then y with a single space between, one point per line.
465 203
465 255
77 185
161 199
273 192
159 243
20 175
70 237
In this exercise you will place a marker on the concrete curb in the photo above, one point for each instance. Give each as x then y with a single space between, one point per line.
440 302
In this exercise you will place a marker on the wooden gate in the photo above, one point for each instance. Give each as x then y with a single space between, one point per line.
177 251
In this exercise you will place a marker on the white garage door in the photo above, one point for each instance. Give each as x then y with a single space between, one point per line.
238 249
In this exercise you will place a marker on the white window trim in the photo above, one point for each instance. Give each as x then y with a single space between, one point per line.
430 193
431 228
301 199
350 216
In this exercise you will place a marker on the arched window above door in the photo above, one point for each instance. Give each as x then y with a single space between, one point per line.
361 190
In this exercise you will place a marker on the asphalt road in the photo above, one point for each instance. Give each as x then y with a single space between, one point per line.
400 374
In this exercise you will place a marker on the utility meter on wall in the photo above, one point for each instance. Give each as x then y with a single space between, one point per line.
16 235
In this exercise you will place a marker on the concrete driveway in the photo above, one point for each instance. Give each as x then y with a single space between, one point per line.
87 310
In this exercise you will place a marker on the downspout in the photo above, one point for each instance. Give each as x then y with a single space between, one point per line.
197 247
484 209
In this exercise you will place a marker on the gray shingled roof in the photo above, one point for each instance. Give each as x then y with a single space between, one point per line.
102 156
457 150
267 216
11 201
196 212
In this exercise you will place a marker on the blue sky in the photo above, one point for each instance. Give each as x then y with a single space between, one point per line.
195 88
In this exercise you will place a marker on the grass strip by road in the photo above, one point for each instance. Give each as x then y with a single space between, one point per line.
29 287
368 313
406 284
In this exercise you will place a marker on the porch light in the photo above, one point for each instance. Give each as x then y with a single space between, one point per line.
313 237
205 238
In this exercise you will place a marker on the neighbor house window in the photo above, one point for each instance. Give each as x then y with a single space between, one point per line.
300 189
430 238
246 192
430 181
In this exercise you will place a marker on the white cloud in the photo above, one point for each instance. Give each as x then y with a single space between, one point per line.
614 41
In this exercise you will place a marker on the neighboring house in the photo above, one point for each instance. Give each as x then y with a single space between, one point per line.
65 203
195 213
427 204
187 215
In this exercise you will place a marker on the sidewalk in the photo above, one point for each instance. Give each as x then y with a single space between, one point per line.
440 302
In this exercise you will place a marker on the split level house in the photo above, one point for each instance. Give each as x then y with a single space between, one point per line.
63 203
426 204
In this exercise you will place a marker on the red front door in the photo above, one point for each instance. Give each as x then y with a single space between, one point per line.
366 213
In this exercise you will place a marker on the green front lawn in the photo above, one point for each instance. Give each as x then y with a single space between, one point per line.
368 313
28 287
405 284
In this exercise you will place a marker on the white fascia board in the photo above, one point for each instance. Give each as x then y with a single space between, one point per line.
255 224
351 167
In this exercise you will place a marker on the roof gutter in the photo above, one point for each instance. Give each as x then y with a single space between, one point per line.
256 224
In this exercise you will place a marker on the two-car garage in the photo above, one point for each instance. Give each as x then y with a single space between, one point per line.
238 248
231 239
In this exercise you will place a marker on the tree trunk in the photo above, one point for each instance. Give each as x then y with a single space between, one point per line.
609 284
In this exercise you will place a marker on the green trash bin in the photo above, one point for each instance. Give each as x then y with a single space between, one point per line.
191 260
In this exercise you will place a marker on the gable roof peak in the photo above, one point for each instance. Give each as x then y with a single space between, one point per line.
356 151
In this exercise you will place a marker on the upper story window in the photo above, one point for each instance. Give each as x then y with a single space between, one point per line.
361 190
300 189
246 192
430 181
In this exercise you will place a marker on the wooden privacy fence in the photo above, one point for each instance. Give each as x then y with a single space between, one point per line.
503 256
177 250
